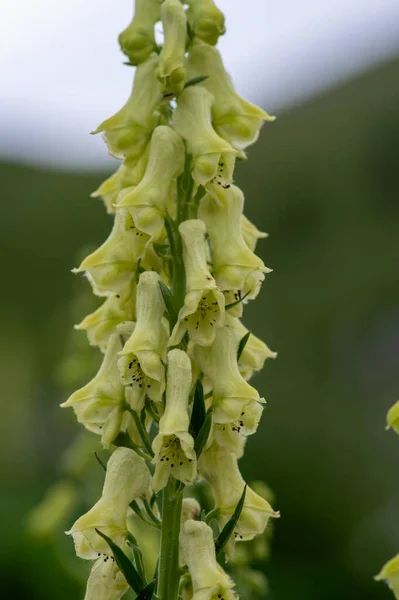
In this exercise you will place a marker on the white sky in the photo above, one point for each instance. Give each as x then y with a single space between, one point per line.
61 70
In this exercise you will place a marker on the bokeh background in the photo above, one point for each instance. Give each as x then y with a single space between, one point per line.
322 181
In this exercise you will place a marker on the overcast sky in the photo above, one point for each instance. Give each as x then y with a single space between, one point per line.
61 68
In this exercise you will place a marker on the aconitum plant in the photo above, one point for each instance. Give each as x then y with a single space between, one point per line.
172 400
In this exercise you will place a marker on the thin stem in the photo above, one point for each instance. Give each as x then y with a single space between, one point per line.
169 572
150 512
142 432
134 506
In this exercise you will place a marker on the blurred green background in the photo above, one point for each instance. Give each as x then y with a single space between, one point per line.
323 182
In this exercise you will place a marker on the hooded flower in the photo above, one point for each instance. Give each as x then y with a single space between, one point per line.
174 446
236 268
393 417
206 20
112 266
209 580
106 582
127 477
116 309
390 574
214 158
219 467
171 70
129 130
234 119
236 404
140 362
203 310
99 404
150 200
251 233
137 41
255 351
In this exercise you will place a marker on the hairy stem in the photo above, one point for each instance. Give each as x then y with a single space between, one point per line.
169 573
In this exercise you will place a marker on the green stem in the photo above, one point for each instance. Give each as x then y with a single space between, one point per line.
169 572
142 432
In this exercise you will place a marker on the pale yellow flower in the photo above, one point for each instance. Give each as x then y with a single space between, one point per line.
390 574
214 158
150 200
219 467
127 477
236 404
203 309
171 70
174 446
234 119
206 20
251 233
235 267
137 41
106 582
140 363
209 580
393 417
128 132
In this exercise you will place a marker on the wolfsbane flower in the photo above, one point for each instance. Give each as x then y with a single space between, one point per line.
171 70
137 41
127 477
390 574
206 20
106 582
393 417
140 363
174 446
209 580
203 309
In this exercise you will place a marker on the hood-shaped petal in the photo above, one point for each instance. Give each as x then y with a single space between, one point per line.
171 70
137 41
206 20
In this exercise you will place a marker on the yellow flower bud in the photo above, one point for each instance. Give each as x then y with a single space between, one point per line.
128 131
390 574
219 467
174 446
191 509
112 266
140 362
255 351
214 158
206 20
236 404
106 582
236 268
149 201
129 174
171 70
137 41
209 580
251 233
127 478
234 119
116 309
203 310
393 417
98 404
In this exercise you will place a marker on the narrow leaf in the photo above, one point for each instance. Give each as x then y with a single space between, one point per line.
128 569
100 462
228 529
162 250
203 434
168 299
232 304
195 80
147 592
242 344
199 413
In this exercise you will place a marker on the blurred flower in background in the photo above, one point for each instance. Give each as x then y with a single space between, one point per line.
322 181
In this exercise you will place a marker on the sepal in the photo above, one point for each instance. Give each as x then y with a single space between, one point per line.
171 70
137 41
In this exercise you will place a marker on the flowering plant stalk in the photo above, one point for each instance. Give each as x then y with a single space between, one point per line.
171 400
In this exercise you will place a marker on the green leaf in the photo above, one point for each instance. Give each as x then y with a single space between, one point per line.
195 80
128 569
242 344
199 413
147 592
162 250
228 529
203 434
100 462
232 304
124 440
168 299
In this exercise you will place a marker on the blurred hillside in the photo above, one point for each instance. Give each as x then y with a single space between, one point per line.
322 181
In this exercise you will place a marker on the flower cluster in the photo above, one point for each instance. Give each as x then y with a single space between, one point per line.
173 392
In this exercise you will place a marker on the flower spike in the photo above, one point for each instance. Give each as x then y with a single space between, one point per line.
174 446
203 310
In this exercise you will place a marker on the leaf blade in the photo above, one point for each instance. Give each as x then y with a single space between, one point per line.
128 569
242 344
198 414
203 434
228 529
